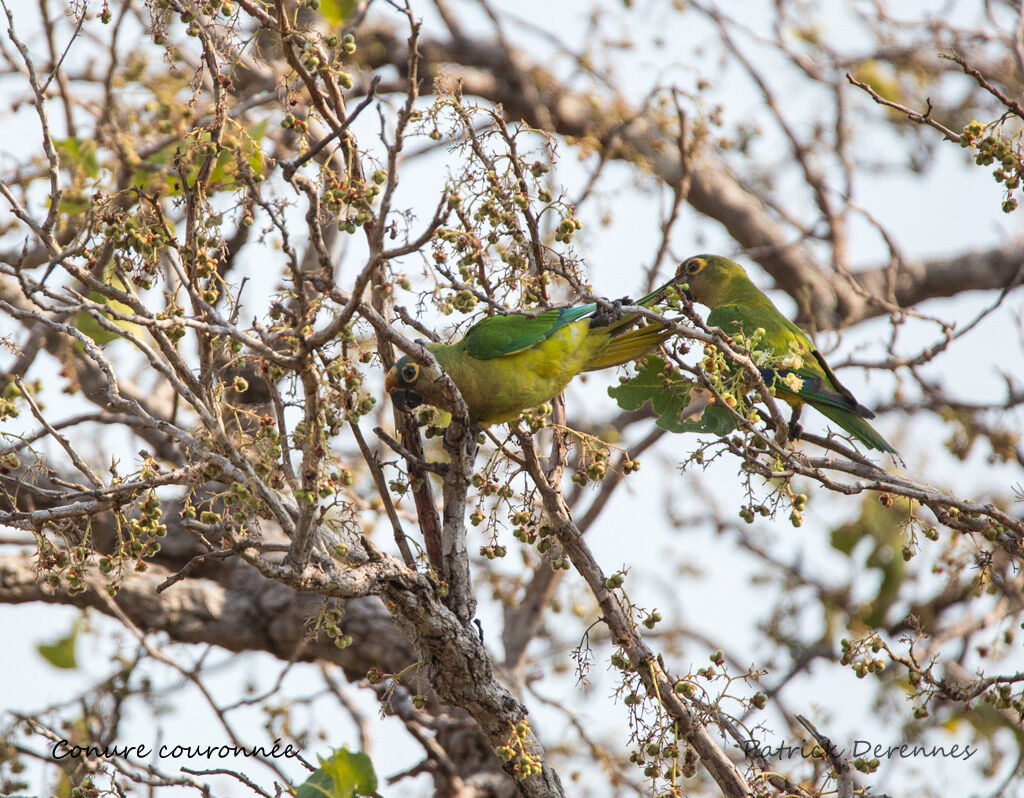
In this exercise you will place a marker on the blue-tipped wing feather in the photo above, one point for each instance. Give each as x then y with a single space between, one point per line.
497 336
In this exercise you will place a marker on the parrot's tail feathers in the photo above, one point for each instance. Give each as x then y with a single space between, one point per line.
815 390
629 346
858 428
856 406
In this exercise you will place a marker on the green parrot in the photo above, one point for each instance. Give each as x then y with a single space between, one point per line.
507 364
802 375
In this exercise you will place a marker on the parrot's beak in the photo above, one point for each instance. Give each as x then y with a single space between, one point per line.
402 398
687 293
406 400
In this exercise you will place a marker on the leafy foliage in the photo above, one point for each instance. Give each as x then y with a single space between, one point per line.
669 394
882 525
61 652
342 775
86 322
337 11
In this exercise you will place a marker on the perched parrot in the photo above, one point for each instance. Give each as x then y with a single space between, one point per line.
802 375
507 364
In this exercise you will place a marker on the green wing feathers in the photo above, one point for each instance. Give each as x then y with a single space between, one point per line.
816 388
852 402
497 336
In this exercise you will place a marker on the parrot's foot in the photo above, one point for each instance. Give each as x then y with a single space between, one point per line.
604 316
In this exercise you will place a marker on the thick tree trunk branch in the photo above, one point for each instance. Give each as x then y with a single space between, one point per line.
242 611
945 277
245 611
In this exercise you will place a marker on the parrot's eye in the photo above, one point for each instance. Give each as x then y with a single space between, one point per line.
694 265
410 373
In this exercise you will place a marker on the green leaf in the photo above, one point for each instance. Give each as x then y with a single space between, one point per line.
74 203
255 152
86 323
61 652
337 11
343 775
157 172
669 394
80 153
318 785
880 78
884 529
223 172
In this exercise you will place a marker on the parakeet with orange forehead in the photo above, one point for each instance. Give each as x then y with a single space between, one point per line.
802 376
